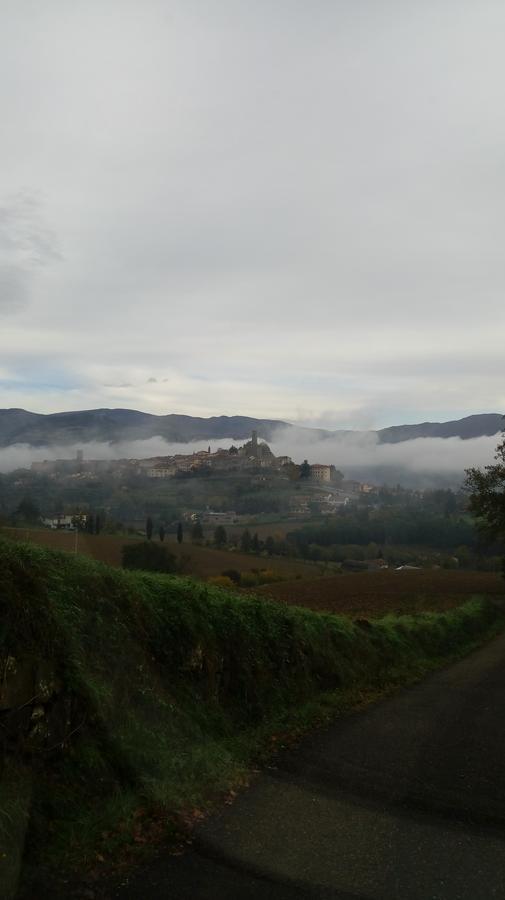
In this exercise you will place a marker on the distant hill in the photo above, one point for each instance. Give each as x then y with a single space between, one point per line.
470 427
18 426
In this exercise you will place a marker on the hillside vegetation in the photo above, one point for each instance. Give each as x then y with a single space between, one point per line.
127 698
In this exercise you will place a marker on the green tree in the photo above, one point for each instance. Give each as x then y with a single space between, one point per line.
220 536
79 522
270 545
149 557
255 543
305 469
487 497
180 533
245 541
27 511
197 532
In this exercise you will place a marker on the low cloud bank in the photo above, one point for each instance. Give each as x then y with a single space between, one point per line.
20 456
422 462
364 449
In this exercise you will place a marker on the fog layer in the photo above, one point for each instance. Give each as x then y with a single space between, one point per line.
422 462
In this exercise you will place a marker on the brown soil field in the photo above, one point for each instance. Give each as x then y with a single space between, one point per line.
378 593
357 594
275 529
202 562
205 561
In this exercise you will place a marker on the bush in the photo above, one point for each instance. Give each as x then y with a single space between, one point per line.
249 579
258 576
267 576
222 581
149 557
232 574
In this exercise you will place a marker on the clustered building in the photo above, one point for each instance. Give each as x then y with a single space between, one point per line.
252 454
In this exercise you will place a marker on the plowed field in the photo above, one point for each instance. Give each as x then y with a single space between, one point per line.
357 594
199 561
378 593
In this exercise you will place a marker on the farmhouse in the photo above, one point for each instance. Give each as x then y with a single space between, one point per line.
219 518
65 523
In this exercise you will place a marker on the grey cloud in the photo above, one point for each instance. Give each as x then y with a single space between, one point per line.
13 288
268 190
23 232
26 244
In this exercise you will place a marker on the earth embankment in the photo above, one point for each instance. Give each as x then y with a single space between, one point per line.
127 698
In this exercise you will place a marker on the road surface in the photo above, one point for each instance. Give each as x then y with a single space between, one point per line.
404 801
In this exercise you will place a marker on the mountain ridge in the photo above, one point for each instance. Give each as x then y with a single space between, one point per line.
104 425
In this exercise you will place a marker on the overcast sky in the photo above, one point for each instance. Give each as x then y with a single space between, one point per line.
283 209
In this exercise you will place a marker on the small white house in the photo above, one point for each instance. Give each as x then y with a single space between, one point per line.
60 523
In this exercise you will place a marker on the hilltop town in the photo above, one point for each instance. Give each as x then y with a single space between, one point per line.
228 484
250 456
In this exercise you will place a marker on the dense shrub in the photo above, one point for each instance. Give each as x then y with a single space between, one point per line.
223 581
149 557
233 575
248 580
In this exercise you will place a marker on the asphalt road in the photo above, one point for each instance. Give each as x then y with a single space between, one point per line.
404 801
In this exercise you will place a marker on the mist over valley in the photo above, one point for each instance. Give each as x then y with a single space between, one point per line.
418 455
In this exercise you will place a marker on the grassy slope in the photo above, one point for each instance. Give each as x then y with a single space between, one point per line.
171 689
